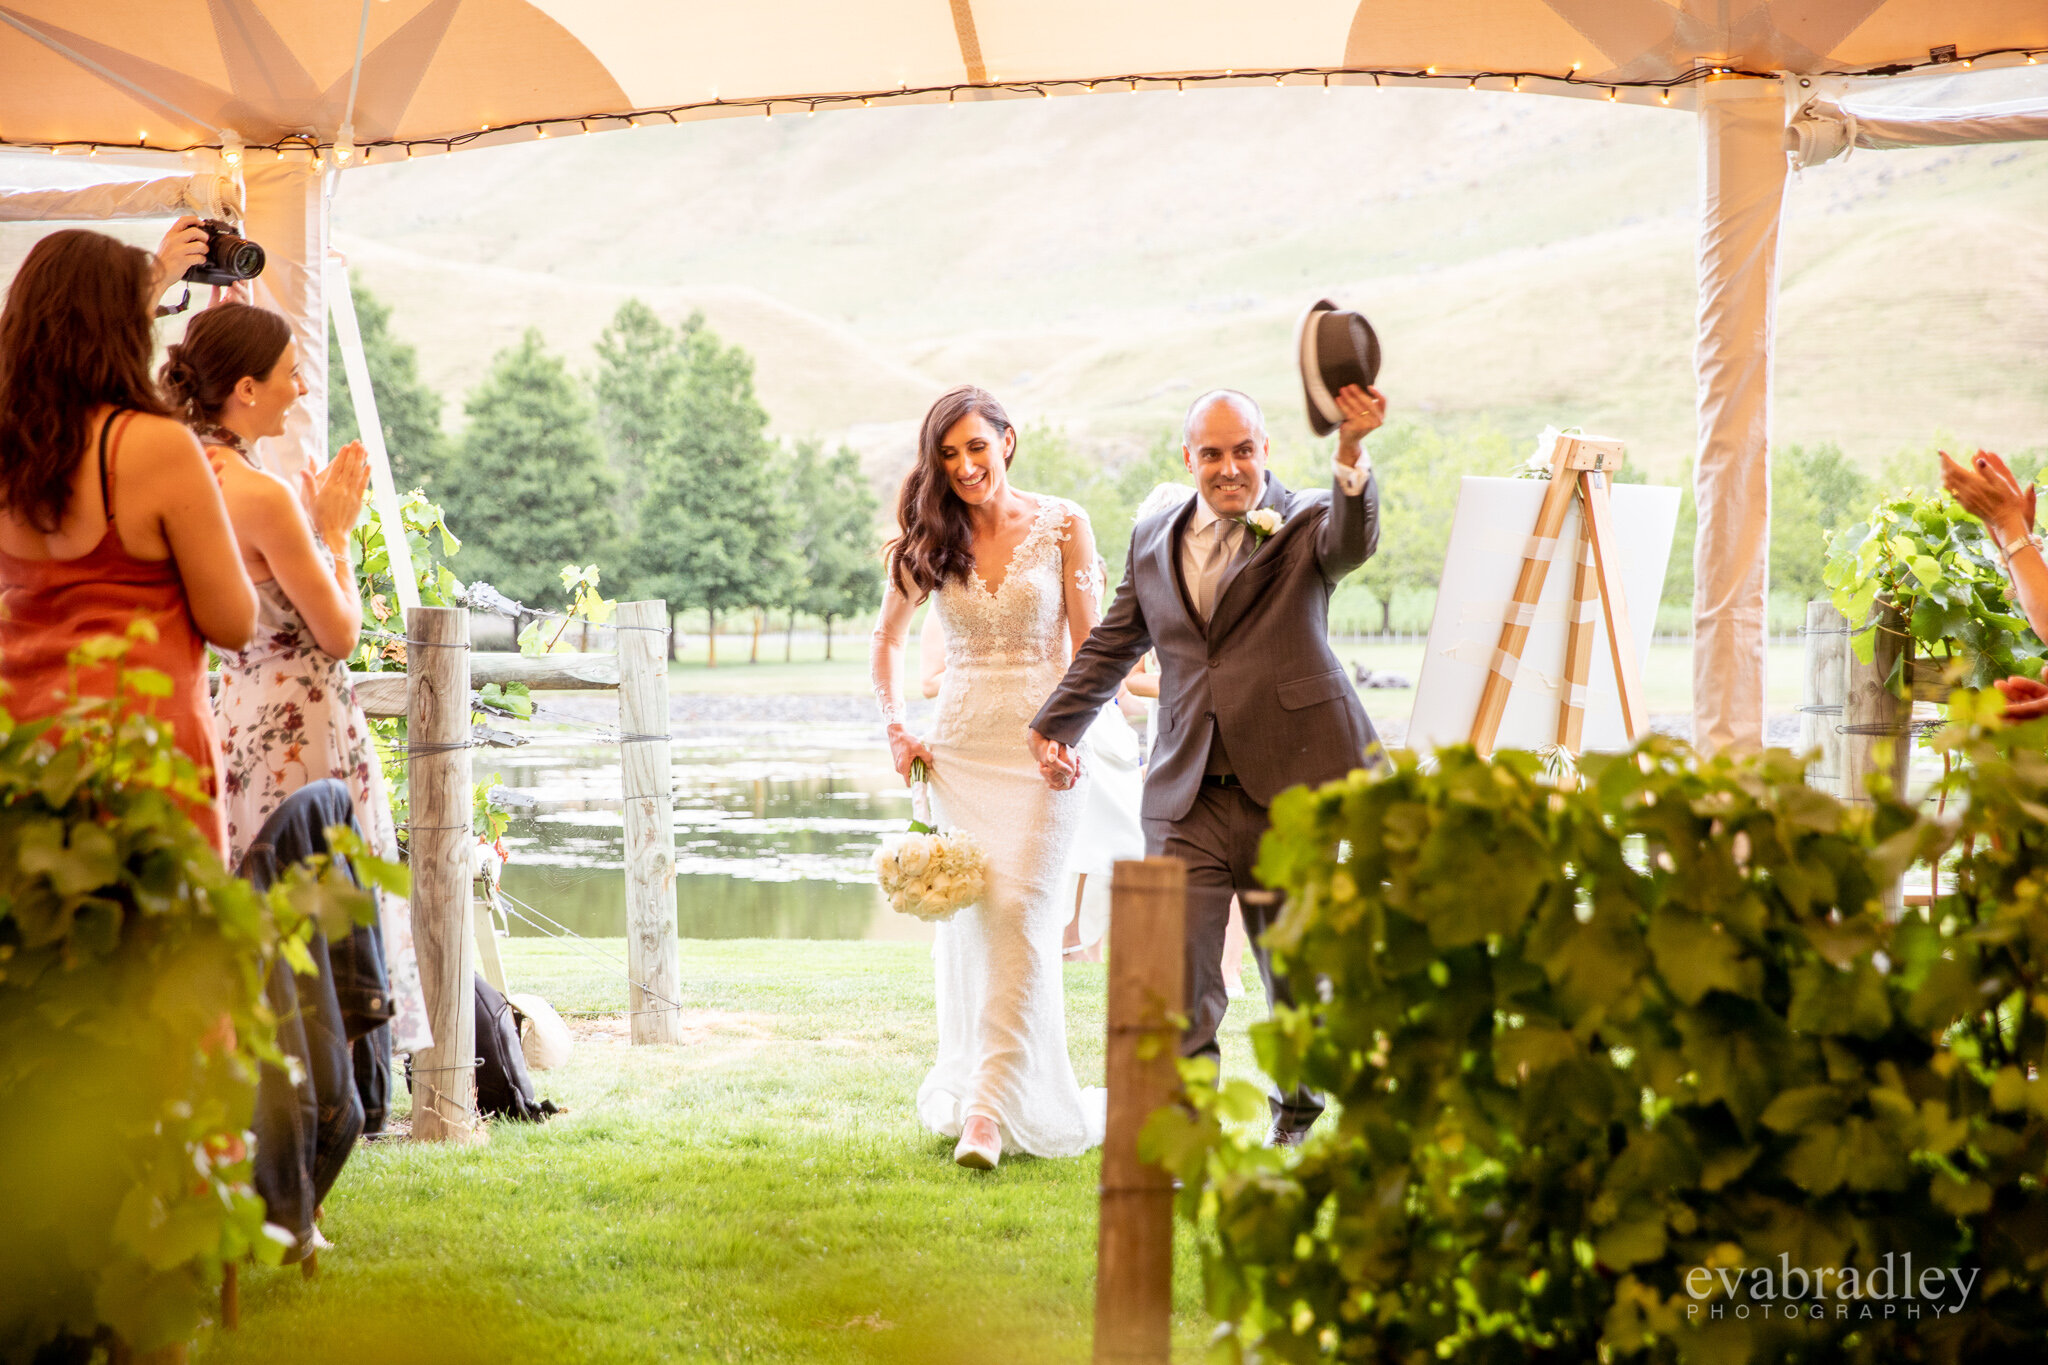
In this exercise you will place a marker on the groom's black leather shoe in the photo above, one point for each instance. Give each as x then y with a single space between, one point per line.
1286 1137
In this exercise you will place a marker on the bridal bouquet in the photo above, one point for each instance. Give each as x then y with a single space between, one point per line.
928 874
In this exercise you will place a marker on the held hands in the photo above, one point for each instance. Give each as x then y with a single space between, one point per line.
1364 411
1057 763
905 748
1988 490
336 494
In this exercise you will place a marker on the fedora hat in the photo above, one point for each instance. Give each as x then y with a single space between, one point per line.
1336 347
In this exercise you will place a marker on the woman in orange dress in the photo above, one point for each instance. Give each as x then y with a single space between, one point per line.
108 509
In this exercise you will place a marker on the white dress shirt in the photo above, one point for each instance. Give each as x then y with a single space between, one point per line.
1203 560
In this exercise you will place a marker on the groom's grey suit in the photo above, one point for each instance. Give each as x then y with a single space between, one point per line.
1251 702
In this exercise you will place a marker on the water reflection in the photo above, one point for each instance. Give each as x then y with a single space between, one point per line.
773 828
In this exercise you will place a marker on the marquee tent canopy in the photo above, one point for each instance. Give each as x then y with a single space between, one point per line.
327 85
176 73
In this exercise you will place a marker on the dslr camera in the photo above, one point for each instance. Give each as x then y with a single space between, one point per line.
230 257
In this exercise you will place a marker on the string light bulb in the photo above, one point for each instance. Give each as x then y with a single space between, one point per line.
1088 88
1180 88
1577 65
1516 85
539 131
344 145
1472 84
1044 93
230 148
1663 97
1612 94
1429 71
768 110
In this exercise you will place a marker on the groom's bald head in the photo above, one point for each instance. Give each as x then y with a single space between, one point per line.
1224 446
1241 404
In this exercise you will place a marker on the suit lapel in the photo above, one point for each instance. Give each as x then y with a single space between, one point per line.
1226 611
1169 548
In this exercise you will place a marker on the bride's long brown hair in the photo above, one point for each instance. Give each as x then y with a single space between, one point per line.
937 541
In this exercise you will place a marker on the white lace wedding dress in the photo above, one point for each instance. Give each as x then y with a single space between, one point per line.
1002 1010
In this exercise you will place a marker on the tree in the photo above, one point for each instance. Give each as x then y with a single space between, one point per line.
1049 461
1813 492
640 378
713 526
408 410
528 490
1419 470
835 537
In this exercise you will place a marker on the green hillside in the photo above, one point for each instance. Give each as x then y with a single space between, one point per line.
1097 260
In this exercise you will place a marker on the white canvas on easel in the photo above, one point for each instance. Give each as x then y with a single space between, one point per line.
1489 532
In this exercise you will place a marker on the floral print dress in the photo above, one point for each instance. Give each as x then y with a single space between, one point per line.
287 716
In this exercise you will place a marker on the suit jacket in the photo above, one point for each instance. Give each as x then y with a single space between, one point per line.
1260 675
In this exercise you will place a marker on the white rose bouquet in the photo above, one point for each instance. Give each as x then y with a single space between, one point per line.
925 873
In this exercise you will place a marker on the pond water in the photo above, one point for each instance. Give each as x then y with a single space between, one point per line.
774 826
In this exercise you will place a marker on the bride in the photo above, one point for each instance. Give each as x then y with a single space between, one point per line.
1013 577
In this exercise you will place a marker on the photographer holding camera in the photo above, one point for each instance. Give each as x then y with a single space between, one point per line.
206 251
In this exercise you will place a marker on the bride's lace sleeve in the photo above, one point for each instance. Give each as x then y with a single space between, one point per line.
885 651
1082 572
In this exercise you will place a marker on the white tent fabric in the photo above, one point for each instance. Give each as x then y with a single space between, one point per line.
172 73
392 77
1742 190
1825 129
166 196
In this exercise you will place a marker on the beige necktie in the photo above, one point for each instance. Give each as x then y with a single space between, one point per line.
1215 555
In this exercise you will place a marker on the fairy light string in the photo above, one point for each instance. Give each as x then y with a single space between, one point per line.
546 126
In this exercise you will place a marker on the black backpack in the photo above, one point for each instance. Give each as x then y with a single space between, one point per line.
503 1084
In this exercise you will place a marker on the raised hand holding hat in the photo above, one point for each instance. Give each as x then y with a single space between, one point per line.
1337 349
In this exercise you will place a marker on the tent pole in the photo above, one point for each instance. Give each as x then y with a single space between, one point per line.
383 488
1742 193
287 214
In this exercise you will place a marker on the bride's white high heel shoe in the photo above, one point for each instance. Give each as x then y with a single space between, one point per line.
981 1144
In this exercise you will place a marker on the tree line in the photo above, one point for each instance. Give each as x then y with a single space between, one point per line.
658 466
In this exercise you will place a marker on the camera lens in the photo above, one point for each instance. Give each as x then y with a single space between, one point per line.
244 260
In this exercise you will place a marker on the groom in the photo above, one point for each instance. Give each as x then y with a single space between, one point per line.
1251 700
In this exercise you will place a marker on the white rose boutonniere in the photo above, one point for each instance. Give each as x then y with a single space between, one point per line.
1262 523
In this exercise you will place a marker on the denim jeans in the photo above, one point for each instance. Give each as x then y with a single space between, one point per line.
305 1132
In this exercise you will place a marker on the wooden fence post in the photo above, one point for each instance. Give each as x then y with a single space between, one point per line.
653 960
1134 1251
1821 717
443 864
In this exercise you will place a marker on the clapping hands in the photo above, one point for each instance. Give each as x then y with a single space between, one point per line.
2025 699
1988 490
335 494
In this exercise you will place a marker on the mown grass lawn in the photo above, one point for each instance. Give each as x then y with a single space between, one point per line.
761 1193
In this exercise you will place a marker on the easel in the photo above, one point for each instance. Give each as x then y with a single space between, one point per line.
1579 466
